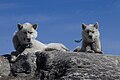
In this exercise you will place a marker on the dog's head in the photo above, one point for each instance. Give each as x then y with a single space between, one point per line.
90 32
26 33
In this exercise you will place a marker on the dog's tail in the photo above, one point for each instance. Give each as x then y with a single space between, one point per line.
78 41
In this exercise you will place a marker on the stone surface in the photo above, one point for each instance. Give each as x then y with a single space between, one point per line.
24 65
4 66
57 65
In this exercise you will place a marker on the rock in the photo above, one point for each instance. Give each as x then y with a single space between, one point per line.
4 66
25 64
78 66
58 65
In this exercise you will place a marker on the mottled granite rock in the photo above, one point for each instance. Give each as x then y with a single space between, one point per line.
4 66
57 65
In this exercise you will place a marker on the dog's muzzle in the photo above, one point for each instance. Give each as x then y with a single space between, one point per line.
29 45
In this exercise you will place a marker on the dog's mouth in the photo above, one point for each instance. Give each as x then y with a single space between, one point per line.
29 45
28 40
91 40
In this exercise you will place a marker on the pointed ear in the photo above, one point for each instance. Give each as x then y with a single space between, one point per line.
83 26
20 26
96 25
35 26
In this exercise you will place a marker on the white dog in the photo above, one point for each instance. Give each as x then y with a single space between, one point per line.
25 38
91 38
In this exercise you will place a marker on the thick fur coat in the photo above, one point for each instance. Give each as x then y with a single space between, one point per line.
91 38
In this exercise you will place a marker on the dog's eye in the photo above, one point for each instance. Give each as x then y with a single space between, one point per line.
30 32
87 31
93 31
25 32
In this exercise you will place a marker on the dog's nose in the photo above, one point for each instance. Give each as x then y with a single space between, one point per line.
90 37
28 40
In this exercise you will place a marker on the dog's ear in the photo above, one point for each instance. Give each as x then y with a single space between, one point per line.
83 26
35 26
96 25
20 26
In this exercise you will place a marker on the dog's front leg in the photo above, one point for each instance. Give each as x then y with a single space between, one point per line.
89 49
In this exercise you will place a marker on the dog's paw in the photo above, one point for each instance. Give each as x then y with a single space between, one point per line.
90 51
